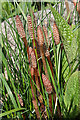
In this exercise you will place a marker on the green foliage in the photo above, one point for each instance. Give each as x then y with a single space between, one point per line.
17 65
6 9
72 91
11 111
67 35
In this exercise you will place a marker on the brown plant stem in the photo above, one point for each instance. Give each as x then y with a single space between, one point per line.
41 42
67 7
46 36
78 6
47 54
37 82
34 65
33 96
26 46
21 32
50 103
32 86
49 90
56 34
43 60
32 33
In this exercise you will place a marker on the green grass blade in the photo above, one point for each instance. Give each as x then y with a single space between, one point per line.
11 111
9 91
6 65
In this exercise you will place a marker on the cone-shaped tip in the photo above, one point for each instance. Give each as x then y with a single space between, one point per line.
47 84
20 27
40 36
56 34
33 59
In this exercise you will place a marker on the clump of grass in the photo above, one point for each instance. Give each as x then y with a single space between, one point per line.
36 70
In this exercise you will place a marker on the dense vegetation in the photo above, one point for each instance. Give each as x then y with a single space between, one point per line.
40 73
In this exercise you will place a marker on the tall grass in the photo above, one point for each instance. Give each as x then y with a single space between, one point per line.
21 95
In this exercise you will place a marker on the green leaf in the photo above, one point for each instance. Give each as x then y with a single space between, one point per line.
69 42
9 91
72 90
65 67
21 11
11 111
9 74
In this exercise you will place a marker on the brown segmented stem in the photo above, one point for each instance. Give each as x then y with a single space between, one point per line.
78 5
50 104
36 109
33 35
46 36
32 76
33 96
34 65
41 42
67 7
51 67
47 54
44 115
40 36
37 48
30 50
56 34
21 102
20 27
74 2
33 59
30 28
58 109
37 82
48 88
43 60
47 84
78 8
21 32
39 96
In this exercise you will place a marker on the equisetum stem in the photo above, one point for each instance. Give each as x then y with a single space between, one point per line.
67 7
33 96
50 103
47 54
26 46
43 60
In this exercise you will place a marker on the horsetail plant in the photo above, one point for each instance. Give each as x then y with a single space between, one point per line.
40 79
